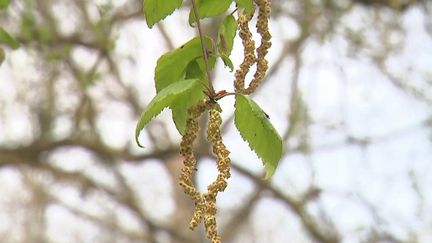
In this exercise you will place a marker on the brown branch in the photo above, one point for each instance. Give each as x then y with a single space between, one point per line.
99 221
125 197
32 151
298 207
230 229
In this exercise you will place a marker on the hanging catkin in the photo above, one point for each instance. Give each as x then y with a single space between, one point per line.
263 29
186 150
223 163
248 51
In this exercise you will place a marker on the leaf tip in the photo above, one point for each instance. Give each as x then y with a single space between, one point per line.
137 133
268 175
140 145
270 169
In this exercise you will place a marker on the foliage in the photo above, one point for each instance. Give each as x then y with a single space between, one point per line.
179 94
172 66
254 126
156 10
66 95
208 8
184 62
245 4
193 61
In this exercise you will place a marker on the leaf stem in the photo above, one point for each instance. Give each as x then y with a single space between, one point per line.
212 92
222 94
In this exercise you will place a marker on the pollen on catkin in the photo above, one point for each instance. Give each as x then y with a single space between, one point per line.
186 150
223 163
205 204
248 51
263 29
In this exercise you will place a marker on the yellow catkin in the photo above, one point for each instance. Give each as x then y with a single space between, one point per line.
186 150
248 51
223 163
263 29
205 204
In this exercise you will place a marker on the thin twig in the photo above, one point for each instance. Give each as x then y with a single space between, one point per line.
204 50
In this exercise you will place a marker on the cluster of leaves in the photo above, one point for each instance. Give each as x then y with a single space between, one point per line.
5 37
182 84
180 78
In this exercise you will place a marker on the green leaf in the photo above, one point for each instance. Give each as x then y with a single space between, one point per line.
183 103
209 8
179 109
255 128
2 55
194 71
156 10
227 33
4 4
227 61
246 4
8 39
171 66
169 96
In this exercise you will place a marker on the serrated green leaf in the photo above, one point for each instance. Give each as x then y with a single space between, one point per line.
255 128
193 70
7 39
227 33
179 110
246 4
4 4
185 61
182 104
167 97
171 66
227 61
209 8
156 10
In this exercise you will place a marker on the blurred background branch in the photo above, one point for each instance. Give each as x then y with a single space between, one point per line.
349 88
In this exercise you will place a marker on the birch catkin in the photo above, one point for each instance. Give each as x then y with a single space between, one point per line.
248 51
205 203
251 55
262 50
223 163
186 150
